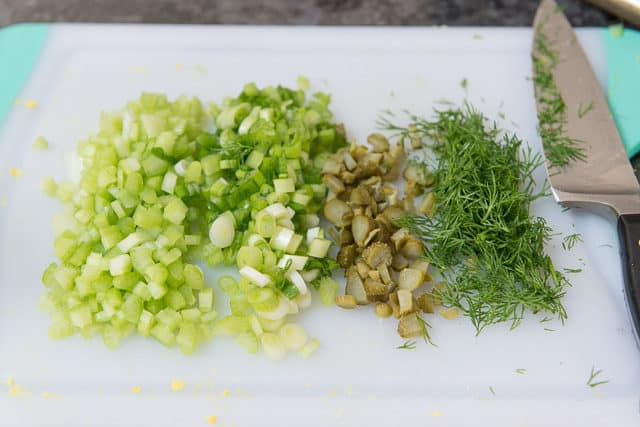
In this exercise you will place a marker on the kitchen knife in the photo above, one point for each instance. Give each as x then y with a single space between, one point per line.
604 180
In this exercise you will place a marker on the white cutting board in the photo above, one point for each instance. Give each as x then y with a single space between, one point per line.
358 377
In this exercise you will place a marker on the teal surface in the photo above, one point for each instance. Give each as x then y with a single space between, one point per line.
623 71
19 48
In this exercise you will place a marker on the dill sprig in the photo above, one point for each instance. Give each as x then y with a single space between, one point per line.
559 149
424 326
408 345
570 241
591 382
488 248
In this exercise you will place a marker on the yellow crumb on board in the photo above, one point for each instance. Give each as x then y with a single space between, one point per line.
18 390
449 313
333 392
212 419
349 391
48 395
177 385
31 103
436 413
136 389
141 70
15 172
10 381
225 392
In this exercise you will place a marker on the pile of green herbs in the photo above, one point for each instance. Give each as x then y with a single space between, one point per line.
482 238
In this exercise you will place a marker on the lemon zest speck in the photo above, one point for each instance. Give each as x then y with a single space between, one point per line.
449 313
212 419
48 395
136 389
10 381
18 390
15 172
177 385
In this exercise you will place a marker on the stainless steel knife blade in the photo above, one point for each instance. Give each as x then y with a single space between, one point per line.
605 177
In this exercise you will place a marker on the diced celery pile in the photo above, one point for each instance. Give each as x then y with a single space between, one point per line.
165 184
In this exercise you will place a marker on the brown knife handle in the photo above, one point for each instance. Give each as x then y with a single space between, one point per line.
629 235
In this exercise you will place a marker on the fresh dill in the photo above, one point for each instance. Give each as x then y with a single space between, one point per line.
583 111
464 84
570 241
592 381
572 270
605 245
488 248
408 345
492 390
559 149
549 330
424 326
521 371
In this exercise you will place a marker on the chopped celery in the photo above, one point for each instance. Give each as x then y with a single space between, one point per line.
205 300
156 182
175 300
310 348
193 276
328 288
232 325
169 317
145 323
163 334
187 338
191 315
40 144
48 186
248 341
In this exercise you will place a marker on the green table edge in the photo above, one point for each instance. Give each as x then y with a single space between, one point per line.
623 83
20 46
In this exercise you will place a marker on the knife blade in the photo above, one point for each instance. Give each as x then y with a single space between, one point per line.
603 181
